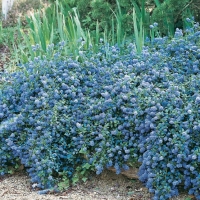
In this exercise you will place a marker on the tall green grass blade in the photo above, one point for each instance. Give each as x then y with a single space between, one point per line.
70 35
37 31
139 33
28 46
50 13
97 34
64 8
137 9
59 18
80 31
60 26
119 25
29 22
143 12
119 8
105 39
1 28
71 32
157 2
46 30
119 30
1 32
113 32
51 35
88 40
136 32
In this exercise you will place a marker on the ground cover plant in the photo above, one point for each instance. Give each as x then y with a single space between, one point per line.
62 118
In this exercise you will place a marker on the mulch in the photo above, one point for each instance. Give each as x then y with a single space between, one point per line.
4 56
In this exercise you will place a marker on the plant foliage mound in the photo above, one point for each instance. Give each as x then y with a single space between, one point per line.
61 118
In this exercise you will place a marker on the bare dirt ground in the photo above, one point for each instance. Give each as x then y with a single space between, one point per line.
107 186
4 56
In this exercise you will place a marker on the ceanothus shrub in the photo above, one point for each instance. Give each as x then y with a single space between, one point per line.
111 108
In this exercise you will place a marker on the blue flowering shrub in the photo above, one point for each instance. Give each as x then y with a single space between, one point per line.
61 117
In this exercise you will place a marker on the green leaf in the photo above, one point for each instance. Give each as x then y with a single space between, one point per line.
87 166
84 179
75 179
10 172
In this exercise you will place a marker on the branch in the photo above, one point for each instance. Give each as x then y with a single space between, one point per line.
198 8
182 11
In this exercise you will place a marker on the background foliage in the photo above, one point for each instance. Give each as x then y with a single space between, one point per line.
168 13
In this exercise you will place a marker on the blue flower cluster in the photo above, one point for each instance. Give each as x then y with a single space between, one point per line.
111 109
